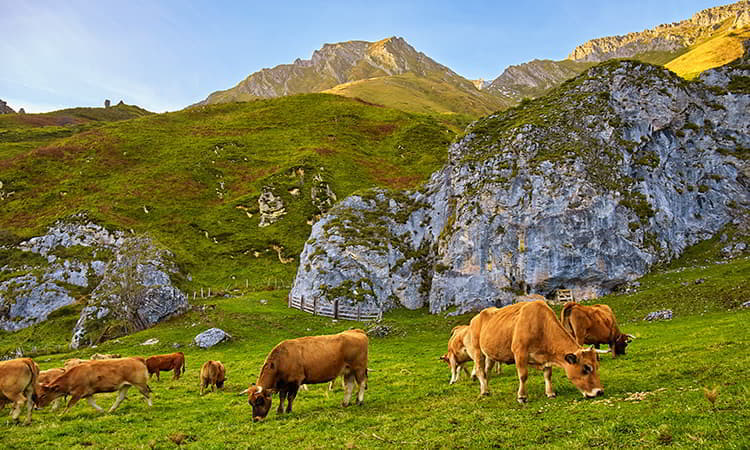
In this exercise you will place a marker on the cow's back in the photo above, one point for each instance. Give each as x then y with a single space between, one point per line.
493 330
319 359
17 375
107 373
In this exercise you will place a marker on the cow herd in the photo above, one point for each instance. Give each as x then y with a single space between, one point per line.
525 334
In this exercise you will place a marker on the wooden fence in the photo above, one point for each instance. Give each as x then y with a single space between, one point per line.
336 309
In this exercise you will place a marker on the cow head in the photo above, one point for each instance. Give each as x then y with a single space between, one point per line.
445 358
220 382
582 369
621 344
260 399
47 394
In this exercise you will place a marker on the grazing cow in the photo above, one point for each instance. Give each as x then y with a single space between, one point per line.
96 356
172 361
18 381
310 360
213 373
595 324
46 376
460 351
108 375
530 334
74 362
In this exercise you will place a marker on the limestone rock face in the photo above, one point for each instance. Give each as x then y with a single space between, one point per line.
271 208
211 337
585 189
126 277
667 37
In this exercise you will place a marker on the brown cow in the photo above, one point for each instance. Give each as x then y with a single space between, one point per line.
213 373
460 351
529 333
172 361
74 362
310 360
18 381
108 375
47 376
595 324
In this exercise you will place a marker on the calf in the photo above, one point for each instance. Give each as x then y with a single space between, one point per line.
74 362
213 373
46 376
459 353
310 360
595 324
85 380
96 356
18 382
530 334
172 361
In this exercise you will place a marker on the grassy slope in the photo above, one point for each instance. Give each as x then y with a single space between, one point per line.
175 164
409 402
717 51
409 92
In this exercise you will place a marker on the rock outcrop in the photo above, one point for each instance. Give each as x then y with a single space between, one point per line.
5 109
667 37
211 337
620 168
125 279
532 79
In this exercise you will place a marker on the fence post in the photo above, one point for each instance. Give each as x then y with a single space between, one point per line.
359 311
336 309
209 292
302 304
289 301
201 291
315 305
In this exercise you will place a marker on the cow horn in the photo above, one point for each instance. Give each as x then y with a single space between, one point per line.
260 389
630 336
601 351
244 392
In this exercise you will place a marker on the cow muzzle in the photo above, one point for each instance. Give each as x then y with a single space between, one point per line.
257 419
594 393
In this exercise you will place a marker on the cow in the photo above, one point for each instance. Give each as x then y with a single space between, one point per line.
310 360
46 376
213 373
595 324
74 362
530 334
172 361
459 353
108 375
96 356
18 380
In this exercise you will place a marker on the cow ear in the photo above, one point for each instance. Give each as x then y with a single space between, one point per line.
571 358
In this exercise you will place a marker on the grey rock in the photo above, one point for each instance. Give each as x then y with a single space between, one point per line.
665 314
25 301
152 341
176 345
635 178
271 208
746 304
211 337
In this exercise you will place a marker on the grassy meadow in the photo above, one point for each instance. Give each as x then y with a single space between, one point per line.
653 396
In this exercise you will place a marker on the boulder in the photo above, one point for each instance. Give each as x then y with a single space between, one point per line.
211 337
665 314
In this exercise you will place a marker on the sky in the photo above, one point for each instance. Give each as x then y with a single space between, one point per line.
164 55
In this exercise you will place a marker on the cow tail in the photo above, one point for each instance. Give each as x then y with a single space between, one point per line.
183 363
34 370
565 317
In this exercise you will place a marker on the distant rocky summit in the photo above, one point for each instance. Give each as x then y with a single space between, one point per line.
5 109
586 188
124 281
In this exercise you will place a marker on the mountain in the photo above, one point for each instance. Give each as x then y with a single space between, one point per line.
711 38
585 188
230 190
389 72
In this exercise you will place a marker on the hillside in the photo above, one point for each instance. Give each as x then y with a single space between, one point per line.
389 72
202 180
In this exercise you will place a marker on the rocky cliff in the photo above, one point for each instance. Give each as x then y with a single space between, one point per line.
533 78
666 37
586 188
5 109
124 282
332 65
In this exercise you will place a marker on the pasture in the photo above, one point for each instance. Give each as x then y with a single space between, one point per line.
653 396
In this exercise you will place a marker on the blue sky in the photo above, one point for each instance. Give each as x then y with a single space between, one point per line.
165 55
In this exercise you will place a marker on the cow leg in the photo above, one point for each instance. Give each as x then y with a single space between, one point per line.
73 400
203 387
349 389
146 392
523 375
213 387
56 403
362 380
93 404
548 388
282 396
29 404
479 363
17 401
466 370
290 395
120 397
330 384
454 369
158 372
488 365
176 374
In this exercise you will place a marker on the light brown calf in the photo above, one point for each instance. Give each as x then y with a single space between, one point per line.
172 361
74 362
46 376
460 351
109 375
97 356
530 334
310 360
595 324
18 381
213 373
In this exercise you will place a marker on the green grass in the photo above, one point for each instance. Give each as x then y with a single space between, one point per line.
199 171
409 402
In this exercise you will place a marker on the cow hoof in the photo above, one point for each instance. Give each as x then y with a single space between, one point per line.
360 403
552 395
344 404
522 400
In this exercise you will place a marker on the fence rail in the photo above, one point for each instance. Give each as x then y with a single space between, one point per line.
336 310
